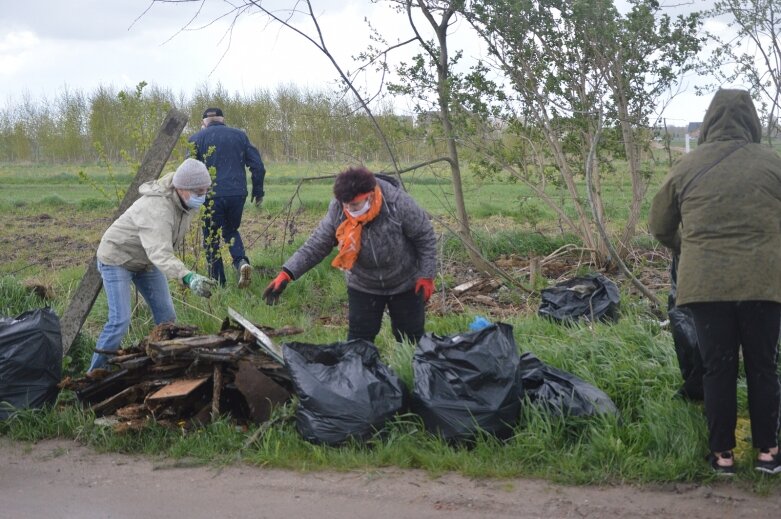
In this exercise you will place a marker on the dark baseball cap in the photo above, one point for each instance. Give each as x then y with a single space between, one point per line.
212 112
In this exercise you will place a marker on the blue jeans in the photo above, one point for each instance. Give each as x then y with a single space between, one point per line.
223 216
152 285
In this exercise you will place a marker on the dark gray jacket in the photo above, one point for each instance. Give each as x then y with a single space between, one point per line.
397 247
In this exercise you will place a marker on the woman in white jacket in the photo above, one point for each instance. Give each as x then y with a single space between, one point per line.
139 248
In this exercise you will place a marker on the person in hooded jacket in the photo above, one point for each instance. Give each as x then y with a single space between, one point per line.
387 250
720 210
139 246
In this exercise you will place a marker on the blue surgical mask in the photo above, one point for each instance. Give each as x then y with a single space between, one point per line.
195 201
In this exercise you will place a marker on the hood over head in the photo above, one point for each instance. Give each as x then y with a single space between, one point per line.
163 186
731 116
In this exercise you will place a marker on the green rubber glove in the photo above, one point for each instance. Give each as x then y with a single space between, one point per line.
200 285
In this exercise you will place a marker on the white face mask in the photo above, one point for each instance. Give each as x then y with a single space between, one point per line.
195 201
362 210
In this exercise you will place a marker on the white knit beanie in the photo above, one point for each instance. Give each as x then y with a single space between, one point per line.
192 174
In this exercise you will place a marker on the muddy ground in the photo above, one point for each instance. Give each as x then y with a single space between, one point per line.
63 479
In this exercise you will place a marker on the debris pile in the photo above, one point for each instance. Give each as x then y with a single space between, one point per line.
181 379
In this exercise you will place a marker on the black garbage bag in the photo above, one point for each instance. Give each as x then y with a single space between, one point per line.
30 360
468 382
687 346
591 298
344 390
562 393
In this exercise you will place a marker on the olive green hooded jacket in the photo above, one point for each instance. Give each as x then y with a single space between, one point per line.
720 208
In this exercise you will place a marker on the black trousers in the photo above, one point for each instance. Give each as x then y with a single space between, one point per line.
723 328
407 313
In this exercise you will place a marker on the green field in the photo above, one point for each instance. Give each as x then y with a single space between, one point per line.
54 220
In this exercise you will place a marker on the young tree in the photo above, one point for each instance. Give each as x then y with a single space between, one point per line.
431 72
752 54
567 69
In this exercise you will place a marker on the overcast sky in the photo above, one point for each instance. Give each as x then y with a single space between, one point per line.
49 45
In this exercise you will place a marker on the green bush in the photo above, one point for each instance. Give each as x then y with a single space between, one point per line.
16 299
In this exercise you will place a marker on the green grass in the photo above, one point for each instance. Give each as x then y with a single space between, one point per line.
656 438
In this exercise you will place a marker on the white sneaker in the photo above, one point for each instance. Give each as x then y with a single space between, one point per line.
245 273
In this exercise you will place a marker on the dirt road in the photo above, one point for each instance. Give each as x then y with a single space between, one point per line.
62 479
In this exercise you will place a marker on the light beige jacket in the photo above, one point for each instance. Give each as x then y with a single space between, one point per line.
149 231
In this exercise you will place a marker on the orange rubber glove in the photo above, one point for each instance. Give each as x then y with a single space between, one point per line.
275 288
426 285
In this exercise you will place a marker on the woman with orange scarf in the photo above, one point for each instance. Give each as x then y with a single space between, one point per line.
387 251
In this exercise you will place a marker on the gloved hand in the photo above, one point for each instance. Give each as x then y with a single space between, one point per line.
200 285
426 285
258 201
275 288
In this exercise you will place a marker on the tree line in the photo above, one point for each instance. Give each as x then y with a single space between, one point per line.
288 124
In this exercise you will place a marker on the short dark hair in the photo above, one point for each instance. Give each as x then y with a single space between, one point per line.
353 182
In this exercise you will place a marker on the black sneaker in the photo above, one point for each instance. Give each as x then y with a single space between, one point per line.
245 274
721 470
769 467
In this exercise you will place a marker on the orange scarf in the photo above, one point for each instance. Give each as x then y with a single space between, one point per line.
348 234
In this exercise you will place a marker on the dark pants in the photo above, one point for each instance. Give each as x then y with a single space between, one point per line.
722 328
407 313
223 216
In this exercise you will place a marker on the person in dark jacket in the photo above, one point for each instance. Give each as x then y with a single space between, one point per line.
229 151
720 210
387 250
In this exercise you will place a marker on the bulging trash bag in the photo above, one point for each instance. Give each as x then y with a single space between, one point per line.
561 393
468 382
591 298
30 360
687 346
344 390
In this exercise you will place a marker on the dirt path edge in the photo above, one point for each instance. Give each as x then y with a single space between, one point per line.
64 479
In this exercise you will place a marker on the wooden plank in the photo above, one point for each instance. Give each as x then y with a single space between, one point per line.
180 344
151 166
216 392
465 287
261 338
129 395
260 391
177 388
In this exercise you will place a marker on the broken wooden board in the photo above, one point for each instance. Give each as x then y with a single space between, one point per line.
261 338
151 166
177 388
260 391
129 395
127 391
176 348
477 285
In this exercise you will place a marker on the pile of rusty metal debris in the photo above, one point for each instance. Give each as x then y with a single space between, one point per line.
179 378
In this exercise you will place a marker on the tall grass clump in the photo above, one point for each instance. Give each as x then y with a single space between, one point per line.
16 299
53 201
506 242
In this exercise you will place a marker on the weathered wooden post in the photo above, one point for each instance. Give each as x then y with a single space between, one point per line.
89 287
